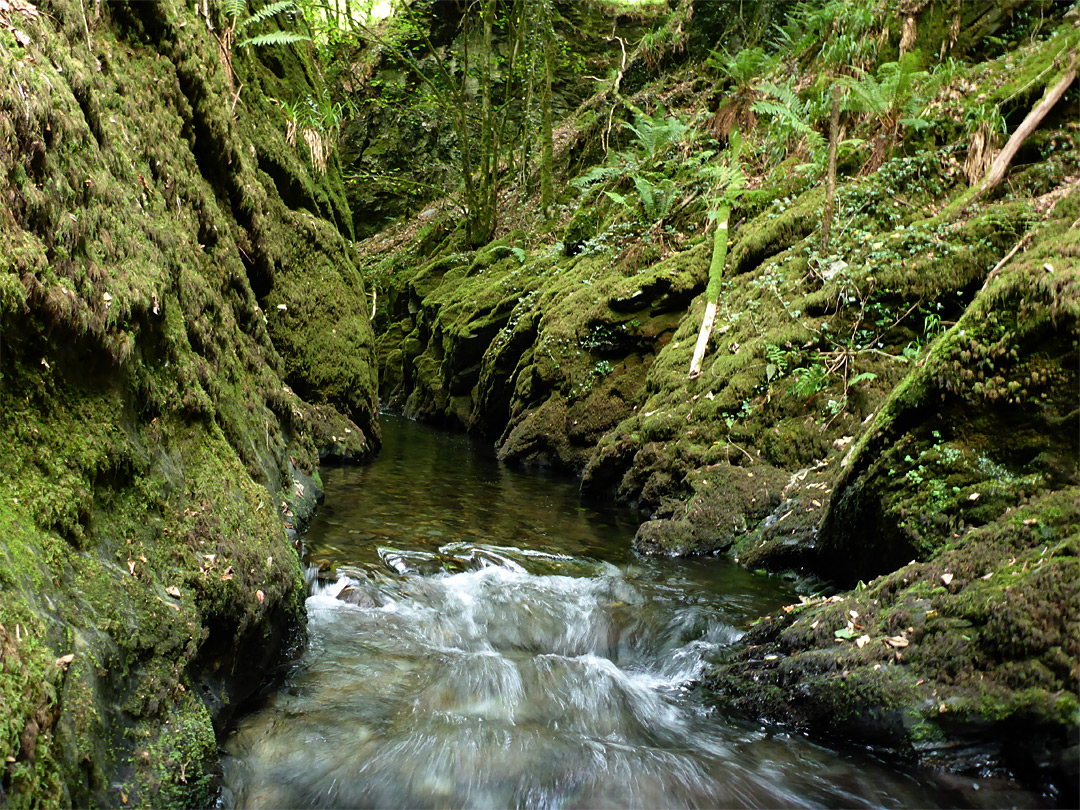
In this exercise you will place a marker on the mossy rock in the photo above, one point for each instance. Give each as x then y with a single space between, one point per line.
977 429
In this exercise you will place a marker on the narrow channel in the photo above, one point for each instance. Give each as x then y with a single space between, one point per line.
480 637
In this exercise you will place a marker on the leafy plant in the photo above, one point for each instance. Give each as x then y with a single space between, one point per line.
891 99
267 12
809 381
654 135
791 120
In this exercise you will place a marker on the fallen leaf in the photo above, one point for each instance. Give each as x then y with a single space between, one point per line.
173 591
861 641
946 577
845 632
897 641
974 496
65 660
260 596
131 567
226 577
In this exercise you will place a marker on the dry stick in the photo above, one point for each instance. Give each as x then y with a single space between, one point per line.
1006 258
1034 118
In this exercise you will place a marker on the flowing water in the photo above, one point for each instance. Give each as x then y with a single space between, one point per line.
480 638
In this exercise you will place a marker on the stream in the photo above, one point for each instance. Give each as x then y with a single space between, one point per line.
480 637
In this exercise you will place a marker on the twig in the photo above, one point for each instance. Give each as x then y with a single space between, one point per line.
904 202
1005 258
752 459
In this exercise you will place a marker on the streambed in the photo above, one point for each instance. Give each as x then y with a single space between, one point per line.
480 637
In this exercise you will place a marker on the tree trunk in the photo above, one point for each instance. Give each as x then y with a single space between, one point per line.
712 292
487 188
547 150
830 177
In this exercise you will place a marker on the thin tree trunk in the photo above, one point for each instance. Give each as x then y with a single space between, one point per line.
484 221
712 292
547 158
830 177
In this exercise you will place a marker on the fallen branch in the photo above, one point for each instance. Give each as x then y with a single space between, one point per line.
1001 163
712 292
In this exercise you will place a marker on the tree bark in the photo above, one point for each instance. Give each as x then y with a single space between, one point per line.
830 177
547 150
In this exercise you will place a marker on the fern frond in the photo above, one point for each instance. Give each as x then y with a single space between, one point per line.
274 38
781 92
783 113
231 9
597 174
266 12
645 191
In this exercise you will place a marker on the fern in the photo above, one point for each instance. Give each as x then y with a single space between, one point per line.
231 9
654 134
274 38
747 65
265 13
809 381
597 174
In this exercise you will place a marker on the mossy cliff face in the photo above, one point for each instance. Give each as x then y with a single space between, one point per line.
162 348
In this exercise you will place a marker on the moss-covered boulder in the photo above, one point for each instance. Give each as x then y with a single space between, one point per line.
984 424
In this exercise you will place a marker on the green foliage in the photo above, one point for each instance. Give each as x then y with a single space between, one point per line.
654 135
265 13
791 122
840 33
809 381
892 97
274 38
742 68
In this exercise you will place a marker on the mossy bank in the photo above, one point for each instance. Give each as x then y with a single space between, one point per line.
184 334
897 407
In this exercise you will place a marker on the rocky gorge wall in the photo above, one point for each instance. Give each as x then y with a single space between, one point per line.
184 334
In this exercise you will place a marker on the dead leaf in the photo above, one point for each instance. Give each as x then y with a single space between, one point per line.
862 641
260 596
173 591
64 661
974 496
21 38
131 567
946 577
897 641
